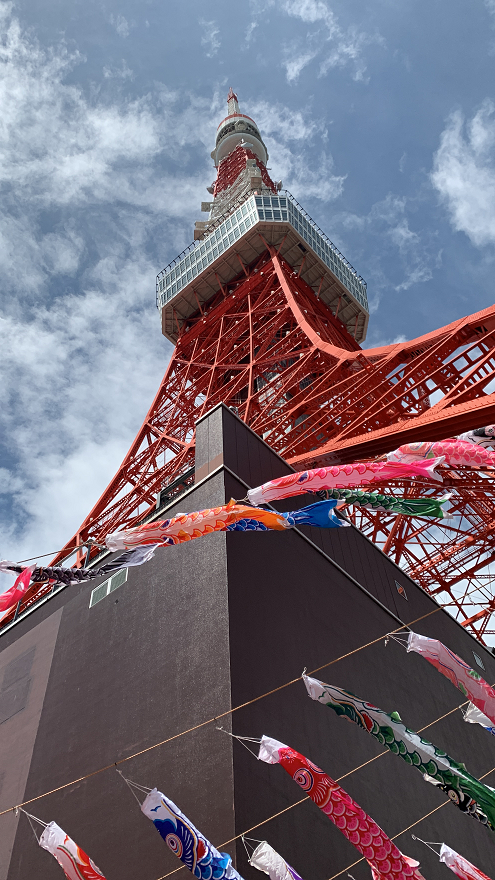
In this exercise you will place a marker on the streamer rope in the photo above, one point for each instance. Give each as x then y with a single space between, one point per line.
215 718
307 798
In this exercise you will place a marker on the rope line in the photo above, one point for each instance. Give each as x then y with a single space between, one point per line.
339 779
70 550
211 720
285 810
307 798
368 644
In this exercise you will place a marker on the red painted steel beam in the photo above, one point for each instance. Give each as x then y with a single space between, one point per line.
272 318
436 424
266 345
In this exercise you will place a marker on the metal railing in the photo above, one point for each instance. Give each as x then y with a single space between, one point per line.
325 238
227 214
196 244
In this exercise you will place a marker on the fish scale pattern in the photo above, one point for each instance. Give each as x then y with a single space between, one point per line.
359 828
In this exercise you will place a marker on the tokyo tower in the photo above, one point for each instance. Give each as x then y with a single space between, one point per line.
269 317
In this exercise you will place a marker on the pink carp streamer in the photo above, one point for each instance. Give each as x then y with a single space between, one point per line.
385 860
459 865
455 452
75 864
413 863
467 680
341 477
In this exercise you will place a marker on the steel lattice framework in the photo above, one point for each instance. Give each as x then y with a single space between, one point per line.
451 559
267 346
265 313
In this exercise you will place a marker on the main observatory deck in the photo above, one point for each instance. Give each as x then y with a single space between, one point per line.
197 274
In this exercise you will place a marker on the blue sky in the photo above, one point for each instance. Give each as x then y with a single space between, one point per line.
378 116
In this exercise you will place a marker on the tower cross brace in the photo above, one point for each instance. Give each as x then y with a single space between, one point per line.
268 317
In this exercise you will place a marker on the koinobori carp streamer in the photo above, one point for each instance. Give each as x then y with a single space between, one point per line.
341 477
230 517
266 859
465 791
74 862
193 849
360 829
455 452
467 680
426 506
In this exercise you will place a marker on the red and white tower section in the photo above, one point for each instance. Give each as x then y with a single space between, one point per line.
250 213
269 317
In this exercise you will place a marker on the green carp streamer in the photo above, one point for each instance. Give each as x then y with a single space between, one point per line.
465 791
390 503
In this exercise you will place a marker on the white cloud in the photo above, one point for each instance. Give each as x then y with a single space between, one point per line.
250 32
291 134
295 63
335 45
81 381
464 173
417 256
97 194
122 72
121 25
210 37
375 339
86 185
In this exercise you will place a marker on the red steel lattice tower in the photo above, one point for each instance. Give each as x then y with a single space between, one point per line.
267 316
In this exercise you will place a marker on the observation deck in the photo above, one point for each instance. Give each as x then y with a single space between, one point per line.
239 237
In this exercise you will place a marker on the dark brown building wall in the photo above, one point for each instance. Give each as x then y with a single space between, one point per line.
209 625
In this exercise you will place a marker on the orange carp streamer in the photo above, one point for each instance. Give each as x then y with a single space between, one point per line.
230 517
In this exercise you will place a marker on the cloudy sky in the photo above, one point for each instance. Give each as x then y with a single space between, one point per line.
379 117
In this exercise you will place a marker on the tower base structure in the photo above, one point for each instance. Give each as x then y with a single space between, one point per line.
269 346
226 624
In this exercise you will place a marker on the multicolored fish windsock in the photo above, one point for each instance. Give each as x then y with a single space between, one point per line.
459 865
455 452
437 767
265 859
75 863
473 716
341 477
359 828
185 841
228 518
69 576
392 504
467 680
143 541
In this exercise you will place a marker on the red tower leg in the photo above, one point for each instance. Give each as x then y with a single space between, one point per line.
265 313
270 349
